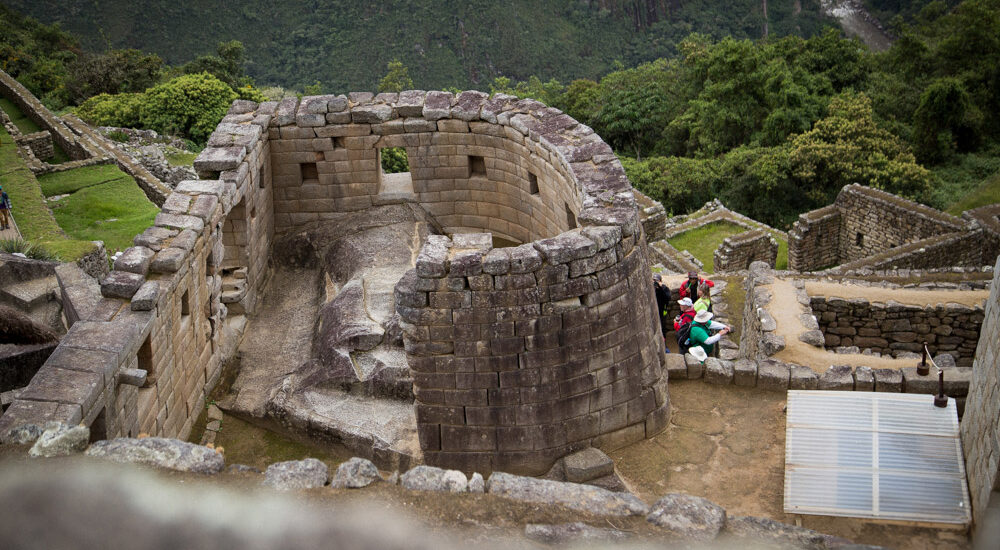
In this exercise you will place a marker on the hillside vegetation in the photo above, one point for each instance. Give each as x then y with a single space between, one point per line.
295 43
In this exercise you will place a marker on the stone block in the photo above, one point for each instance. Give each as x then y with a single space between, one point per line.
437 105
676 366
153 237
566 247
121 284
588 464
145 298
134 260
65 386
411 103
838 377
695 368
217 159
468 104
864 379
772 343
371 113
802 378
180 222
168 260
772 376
524 259
718 371
745 372
888 380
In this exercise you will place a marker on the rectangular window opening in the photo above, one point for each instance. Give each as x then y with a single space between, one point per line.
338 143
308 171
99 427
532 183
145 361
570 218
260 178
477 166
860 239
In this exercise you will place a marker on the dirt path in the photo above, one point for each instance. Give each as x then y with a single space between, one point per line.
909 296
785 309
278 339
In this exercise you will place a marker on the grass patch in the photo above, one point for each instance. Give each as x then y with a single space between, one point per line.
71 181
113 212
987 193
180 158
702 241
31 250
23 123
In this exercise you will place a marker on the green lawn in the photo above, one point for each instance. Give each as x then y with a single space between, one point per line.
180 158
702 242
59 183
33 217
987 193
28 126
113 212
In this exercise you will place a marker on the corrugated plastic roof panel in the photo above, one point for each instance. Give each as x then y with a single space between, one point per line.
884 456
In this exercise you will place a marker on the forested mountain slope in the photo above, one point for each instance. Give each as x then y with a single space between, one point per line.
346 44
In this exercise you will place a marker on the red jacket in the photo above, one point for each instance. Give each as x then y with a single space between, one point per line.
684 318
686 292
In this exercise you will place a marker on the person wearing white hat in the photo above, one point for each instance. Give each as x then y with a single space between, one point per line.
682 323
701 329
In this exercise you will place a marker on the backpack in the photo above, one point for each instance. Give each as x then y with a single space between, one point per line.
682 336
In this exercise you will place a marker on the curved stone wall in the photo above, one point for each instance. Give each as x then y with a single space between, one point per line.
520 355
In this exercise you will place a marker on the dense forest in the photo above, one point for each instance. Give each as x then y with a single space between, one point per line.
773 126
295 43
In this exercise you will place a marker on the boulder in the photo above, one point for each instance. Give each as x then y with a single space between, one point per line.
355 473
58 439
429 478
476 483
771 532
588 464
172 454
813 338
688 517
585 498
572 533
296 474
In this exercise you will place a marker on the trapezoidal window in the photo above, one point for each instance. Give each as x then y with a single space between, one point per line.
394 171
145 361
477 166
186 303
532 183
860 239
308 171
260 177
570 218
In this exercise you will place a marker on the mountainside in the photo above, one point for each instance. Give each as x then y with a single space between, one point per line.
346 45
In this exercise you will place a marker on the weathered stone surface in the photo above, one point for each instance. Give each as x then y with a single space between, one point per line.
803 378
308 473
24 434
687 517
718 371
864 379
566 533
429 478
371 114
745 372
355 473
437 105
837 377
168 260
676 366
772 376
813 338
770 532
588 464
695 368
888 380
476 483
172 454
217 159
145 298
134 260
121 284
58 439
411 103
586 498
772 343
132 377
153 237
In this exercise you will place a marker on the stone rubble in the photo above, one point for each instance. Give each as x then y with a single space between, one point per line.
308 473
58 439
171 454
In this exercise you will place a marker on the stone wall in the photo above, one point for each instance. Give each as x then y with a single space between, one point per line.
869 228
981 424
653 216
814 240
739 251
892 328
40 115
40 144
142 356
988 217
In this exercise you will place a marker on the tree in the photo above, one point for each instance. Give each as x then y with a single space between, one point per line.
397 79
228 65
941 119
190 106
111 73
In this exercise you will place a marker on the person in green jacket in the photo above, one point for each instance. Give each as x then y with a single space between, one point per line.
701 330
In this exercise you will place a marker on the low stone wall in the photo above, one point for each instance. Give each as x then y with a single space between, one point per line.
981 424
95 263
988 217
653 216
40 144
40 115
892 328
814 240
757 337
958 249
739 251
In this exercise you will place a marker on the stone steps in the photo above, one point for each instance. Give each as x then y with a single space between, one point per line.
28 294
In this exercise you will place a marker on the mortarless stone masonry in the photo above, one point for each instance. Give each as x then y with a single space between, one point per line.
739 251
520 355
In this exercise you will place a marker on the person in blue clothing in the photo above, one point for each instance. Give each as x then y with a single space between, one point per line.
5 220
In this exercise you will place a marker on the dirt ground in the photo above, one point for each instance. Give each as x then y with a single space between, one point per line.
727 444
785 309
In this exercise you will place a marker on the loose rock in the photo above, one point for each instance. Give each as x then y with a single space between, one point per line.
296 474
688 517
355 473
172 454
429 478
586 498
587 464
477 484
572 532
58 439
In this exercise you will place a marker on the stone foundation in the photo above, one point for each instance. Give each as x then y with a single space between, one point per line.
739 251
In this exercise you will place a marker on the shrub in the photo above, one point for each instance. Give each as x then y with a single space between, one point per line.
33 251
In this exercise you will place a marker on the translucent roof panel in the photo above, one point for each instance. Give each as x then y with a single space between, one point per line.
884 456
